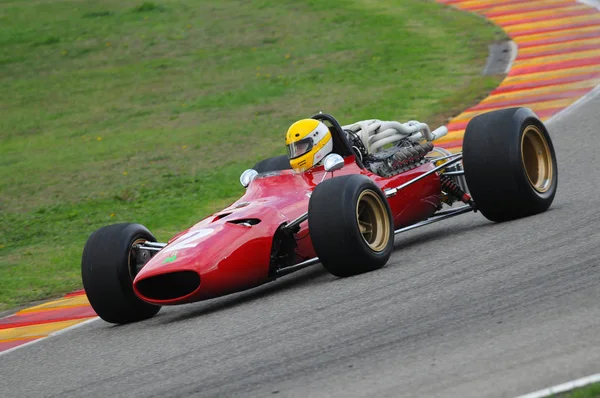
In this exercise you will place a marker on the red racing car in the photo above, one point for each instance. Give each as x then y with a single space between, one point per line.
381 179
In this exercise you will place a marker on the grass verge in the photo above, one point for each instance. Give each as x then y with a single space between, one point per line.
591 391
125 110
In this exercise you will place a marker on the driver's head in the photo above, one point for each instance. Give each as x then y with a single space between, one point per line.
308 142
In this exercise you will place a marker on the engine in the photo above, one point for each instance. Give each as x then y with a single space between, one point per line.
389 148
397 159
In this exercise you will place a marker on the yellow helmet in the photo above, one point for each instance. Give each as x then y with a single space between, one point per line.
308 142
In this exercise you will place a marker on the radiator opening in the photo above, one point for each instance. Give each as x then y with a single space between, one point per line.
169 286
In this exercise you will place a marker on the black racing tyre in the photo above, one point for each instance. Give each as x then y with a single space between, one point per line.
350 225
107 273
273 164
510 164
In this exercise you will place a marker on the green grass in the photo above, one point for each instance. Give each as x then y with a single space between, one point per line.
125 110
591 391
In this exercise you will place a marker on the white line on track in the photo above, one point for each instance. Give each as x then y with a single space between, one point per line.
61 331
588 96
581 101
570 385
592 3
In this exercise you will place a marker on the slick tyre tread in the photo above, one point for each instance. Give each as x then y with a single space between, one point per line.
106 274
494 164
334 226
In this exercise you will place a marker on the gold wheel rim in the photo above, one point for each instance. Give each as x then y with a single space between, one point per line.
373 222
537 158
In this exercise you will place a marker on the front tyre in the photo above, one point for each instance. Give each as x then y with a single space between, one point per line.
351 225
108 266
510 164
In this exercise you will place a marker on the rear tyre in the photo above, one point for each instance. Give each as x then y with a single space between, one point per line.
108 267
350 224
510 164
273 164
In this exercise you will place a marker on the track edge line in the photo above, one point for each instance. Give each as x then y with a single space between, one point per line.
56 333
564 387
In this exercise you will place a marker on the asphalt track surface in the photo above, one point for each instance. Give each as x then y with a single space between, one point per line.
464 308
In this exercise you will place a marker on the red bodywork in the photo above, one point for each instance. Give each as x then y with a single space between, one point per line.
229 256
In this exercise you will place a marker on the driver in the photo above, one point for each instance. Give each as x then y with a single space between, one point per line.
308 141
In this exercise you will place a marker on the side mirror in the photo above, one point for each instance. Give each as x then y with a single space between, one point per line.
247 177
333 162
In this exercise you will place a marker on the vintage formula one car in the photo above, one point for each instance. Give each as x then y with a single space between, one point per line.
383 178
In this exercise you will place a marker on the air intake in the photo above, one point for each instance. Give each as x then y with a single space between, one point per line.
172 285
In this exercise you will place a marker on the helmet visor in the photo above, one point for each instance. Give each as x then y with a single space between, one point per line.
299 148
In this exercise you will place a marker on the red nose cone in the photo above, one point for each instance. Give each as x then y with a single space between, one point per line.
207 262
